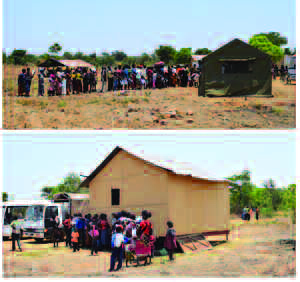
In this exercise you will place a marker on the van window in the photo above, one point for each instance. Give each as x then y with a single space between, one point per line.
50 211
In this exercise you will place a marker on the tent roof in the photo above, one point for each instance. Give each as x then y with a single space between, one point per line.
51 63
233 43
169 166
65 63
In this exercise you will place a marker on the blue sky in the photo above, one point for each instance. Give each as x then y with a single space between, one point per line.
34 159
137 26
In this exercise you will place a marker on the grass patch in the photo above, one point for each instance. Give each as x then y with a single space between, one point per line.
62 104
43 104
94 101
145 99
278 111
147 93
24 102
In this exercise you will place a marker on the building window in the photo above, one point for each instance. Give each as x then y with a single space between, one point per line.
237 67
115 197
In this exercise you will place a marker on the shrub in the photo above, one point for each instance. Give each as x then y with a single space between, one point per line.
62 104
43 104
266 212
24 102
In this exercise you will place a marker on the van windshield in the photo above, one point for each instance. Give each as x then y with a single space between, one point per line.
35 212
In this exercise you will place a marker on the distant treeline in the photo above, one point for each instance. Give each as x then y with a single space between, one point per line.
269 198
167 54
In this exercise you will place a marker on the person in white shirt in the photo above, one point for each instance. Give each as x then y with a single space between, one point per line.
117 249
16 233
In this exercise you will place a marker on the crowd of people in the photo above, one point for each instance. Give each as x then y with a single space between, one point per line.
142 77
84 80
61 82
97 234
281 72
249 212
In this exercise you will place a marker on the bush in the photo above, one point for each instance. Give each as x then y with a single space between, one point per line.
266 212
61 103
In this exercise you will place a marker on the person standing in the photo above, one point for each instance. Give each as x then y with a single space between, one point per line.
170 240
16 233
103 78
74 240
29 77
257 214
117 249
41 89
22 83
68 230
94 234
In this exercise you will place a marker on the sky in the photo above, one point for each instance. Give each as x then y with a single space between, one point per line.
32 160
136 26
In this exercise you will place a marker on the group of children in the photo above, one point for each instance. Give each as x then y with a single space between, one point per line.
124 232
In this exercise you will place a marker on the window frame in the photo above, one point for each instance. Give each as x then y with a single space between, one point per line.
112 197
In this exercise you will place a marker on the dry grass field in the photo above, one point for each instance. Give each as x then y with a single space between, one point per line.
173 108
255 249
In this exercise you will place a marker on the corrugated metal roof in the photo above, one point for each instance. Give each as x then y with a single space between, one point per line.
177 168
198 57
76 63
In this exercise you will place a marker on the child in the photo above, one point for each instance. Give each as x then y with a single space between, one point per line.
117 249
75 236
94 233
170 241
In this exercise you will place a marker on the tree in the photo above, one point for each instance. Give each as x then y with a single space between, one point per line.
275 38
30 58
202 51
241 191
70 184
4 197
55 48
79 56
18 57
270 186
184 56
144 58
4 57
264 44
119 55
166 53
68 55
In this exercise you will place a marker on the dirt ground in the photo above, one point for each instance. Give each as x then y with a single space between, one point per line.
253 250
172 108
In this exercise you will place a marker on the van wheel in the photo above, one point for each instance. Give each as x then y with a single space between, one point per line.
39 240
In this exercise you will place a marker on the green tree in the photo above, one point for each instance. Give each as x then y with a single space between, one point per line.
241 191
4 197
79 56
143 58
184 56
275 195
276 38
70 184
68 55
264 44
166 53
30 58
202 51
4 57
18 57
119 55
55 48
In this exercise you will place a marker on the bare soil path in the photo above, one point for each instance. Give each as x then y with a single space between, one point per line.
253 250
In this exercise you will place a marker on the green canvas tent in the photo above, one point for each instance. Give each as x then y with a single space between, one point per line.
236 69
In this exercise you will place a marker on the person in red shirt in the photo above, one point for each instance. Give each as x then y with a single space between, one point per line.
68 230
145 230
104 228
